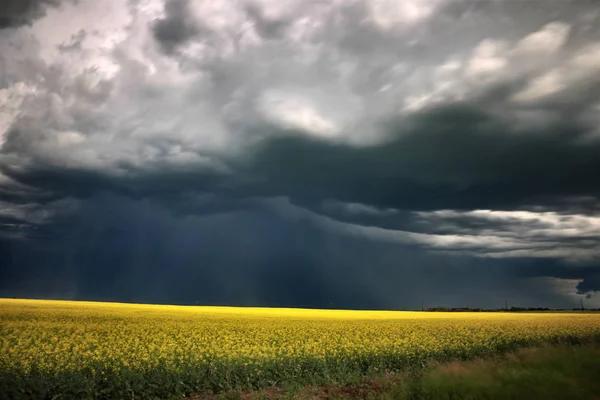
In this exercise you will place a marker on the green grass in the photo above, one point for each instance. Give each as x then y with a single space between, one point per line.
549 372
544 373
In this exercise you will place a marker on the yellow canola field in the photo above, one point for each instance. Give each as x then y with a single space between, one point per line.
189 348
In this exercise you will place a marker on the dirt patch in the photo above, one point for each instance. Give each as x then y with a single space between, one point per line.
456 368
270 393
369 387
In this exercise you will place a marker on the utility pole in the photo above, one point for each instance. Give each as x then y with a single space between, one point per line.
422 305
581 302
506 305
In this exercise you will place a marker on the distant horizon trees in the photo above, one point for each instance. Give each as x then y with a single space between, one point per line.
511 309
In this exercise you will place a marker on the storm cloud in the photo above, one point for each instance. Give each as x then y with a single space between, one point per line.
349 153
15 13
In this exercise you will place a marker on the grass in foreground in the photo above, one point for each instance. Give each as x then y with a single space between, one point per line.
547 372
55 349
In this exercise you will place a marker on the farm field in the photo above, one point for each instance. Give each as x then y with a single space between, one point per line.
62 349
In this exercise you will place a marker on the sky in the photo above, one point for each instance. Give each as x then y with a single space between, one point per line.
365 154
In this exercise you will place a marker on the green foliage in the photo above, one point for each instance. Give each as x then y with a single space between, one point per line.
550 373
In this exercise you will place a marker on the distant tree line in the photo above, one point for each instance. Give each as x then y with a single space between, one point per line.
511 309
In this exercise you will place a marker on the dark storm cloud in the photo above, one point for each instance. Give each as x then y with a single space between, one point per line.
114 248
587 275
590 285
176 27
457 157
303 154
14 13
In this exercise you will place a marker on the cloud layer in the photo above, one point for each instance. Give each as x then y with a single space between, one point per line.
384 140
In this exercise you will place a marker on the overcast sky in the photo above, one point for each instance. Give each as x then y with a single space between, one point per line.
313 153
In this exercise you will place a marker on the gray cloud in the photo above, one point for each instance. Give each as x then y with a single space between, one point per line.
15 13
176 27
373 118
572 237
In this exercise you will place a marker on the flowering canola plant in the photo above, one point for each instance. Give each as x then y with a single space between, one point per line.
112 350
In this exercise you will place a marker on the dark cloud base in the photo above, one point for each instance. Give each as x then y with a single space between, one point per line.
457 157
156 240
117 249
